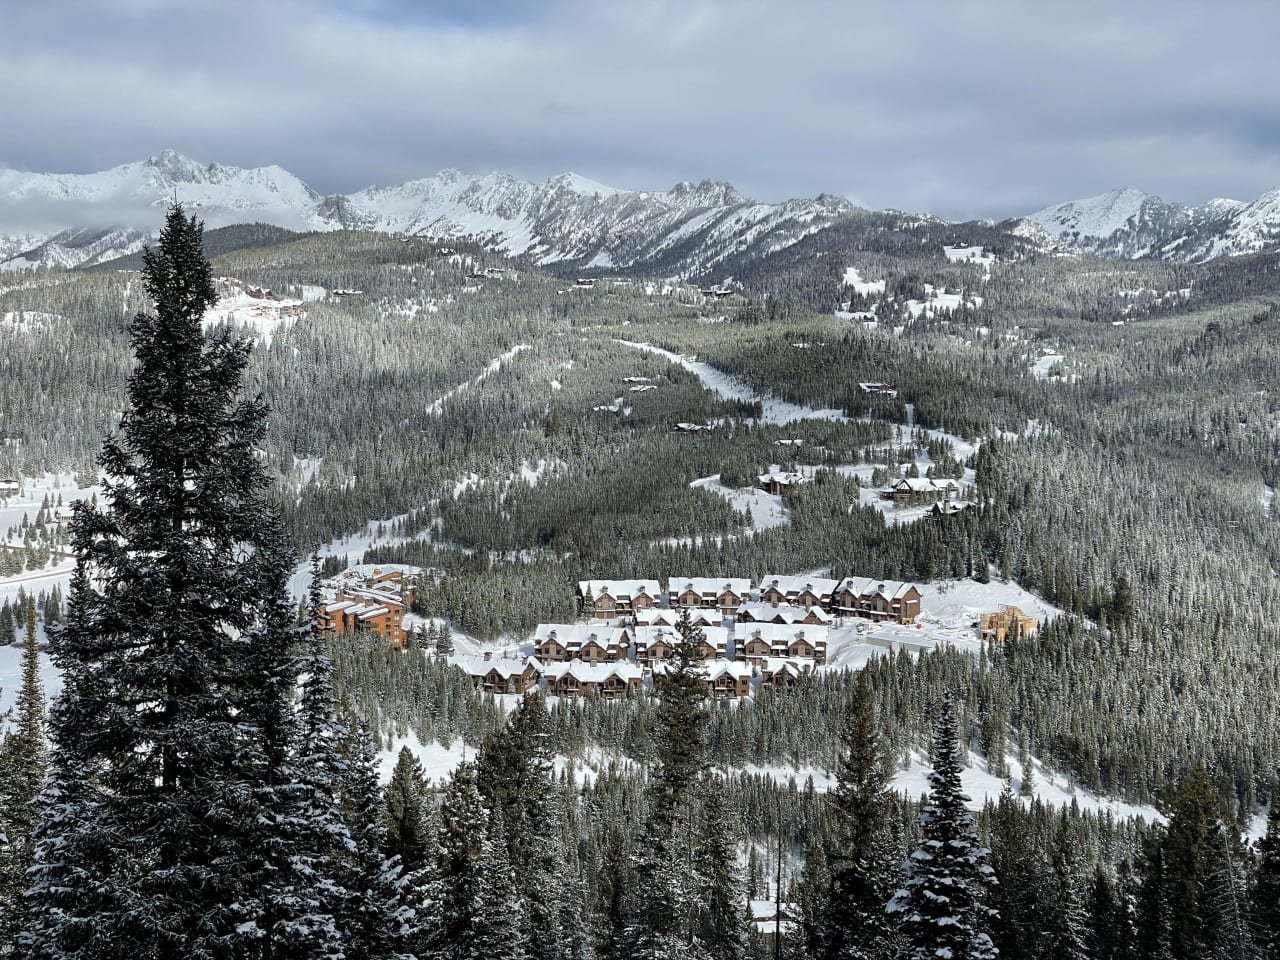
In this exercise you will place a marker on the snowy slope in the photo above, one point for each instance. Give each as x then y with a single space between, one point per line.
1129 223
568 219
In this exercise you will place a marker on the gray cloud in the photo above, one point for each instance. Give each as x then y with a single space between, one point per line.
961 108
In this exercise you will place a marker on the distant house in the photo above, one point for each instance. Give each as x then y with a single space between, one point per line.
9 487
560 642
947 508
585 282
921 490
1005 621
606 599
723 594
502 675
779 482
612 681
686 427
801 590
882 389
877 599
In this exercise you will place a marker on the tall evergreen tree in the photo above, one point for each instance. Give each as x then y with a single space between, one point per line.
1264 897
942 907
23 764
666 885
150 829
722 918
862 859
409 835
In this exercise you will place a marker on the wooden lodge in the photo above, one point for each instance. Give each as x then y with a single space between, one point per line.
373 598
921 490
611 681
717 593
780 672
779 482
764 640
727 678
606 599
877 599
799 591
561 642
502 675
783 613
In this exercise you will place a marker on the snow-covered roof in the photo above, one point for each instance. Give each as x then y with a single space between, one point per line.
795 585
576 634
594 672
657 616
620 589
870 586
715 669
358 608
709 587
790 613
796 666
651 634
505 666
783 634
785 478
925 485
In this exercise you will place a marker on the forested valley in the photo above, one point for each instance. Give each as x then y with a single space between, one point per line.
478 417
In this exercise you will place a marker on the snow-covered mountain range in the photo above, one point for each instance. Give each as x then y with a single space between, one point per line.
1129 223
71 219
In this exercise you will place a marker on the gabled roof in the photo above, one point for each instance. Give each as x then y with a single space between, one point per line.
709 587
505 666
715 669
870 586
619 589
797 584
594 672
577 634
780 633
925 484
789 612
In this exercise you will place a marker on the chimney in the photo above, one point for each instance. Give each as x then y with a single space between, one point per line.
488 655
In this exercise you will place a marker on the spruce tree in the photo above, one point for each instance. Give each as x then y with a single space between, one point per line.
861 858
722 919
942 907
1264 897
23 764
666 885
407 799
150 830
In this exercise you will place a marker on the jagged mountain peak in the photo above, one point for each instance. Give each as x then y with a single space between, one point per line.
705 193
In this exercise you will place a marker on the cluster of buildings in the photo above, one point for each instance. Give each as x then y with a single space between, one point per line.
775 631
372 598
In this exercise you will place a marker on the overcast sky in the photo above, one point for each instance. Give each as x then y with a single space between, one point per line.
960 108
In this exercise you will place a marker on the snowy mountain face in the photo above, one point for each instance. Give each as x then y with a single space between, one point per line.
1129 223
568 220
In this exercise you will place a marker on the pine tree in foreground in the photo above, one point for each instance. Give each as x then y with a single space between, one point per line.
941 908
1264 897
861 860
663 926
153 823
